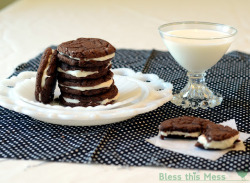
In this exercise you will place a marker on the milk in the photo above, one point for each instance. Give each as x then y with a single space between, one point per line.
198 49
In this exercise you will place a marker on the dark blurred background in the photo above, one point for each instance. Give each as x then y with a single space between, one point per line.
4 3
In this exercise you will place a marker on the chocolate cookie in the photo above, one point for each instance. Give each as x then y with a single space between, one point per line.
85 101
67 67
73 62
86 48
46 77
86 82
217 137
86 86
64 89
78 73
185 126
86 52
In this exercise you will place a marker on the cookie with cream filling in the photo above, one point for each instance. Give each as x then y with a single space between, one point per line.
218 137
86 86
185 126
79 100
46 77
209 134
78 73
86 52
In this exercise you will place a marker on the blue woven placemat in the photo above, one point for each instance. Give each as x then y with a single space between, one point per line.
123 143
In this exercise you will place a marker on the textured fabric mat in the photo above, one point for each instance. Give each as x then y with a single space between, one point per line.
123 143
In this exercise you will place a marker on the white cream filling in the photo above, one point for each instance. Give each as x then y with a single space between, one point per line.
39 97
73 101
185 134
109 100
95 59
76 101
79 73
102 85
223 144
45 71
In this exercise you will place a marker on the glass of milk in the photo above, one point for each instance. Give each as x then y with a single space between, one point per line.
197 46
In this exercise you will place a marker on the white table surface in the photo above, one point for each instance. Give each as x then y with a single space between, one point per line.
29 26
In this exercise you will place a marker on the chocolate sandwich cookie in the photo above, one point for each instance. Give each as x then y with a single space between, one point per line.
86 82
86 86
90 92
66 67
86 52
78 73
46 77
102 99
218 137
75 62
185 126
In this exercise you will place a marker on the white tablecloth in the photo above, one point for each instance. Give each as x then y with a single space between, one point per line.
27 27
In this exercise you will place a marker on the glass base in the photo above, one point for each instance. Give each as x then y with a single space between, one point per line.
196 94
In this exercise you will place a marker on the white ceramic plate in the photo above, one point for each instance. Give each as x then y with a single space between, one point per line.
139 93
128 91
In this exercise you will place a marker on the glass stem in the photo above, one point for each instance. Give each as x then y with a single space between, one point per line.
196 93
196 87
196 78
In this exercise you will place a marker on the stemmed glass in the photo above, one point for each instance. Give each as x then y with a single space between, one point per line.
197 46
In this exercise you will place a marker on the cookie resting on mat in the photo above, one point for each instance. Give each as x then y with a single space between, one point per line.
185 126
209 134
46 77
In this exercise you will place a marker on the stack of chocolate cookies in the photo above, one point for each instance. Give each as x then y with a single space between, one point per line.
84 75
